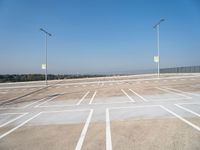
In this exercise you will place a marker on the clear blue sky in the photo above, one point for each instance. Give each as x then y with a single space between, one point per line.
103 36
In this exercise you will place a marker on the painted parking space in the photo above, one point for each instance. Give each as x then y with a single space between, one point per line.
48 132
133 128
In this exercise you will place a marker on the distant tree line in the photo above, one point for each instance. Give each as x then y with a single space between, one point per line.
39 77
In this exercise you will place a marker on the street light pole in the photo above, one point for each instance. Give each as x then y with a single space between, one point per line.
158 46
46 58
157 27
46 33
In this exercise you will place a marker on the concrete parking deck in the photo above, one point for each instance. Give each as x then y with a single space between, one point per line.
123 112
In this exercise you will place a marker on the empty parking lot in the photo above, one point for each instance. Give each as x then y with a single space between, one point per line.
120 112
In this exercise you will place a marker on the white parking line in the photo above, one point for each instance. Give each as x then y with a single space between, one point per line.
33 103
23 123
3 92
12 120
12 113
54 106
46 101
83 98
93 97
132 107
22 106
180 91
108 132
84 131
172 92
112 103
18 87
20 125
144 99
59 111
192 103
181 118
130 98
188 110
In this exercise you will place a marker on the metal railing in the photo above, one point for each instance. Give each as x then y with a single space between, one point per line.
187 69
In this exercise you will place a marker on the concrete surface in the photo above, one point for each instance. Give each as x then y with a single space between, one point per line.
138 112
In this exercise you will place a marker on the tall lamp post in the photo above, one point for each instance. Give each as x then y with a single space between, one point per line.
157 58
46 34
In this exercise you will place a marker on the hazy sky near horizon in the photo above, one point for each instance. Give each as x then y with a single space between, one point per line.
97 36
